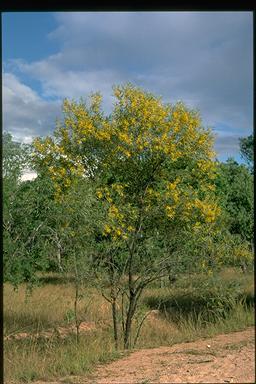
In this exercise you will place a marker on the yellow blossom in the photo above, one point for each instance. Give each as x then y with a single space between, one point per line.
99 194
107 229
170 211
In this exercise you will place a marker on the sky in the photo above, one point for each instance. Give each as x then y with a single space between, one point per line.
204 59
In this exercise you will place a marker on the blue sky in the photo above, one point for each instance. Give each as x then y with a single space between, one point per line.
202 58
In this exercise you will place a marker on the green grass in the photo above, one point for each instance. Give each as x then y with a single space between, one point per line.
177 320
198 306
206 299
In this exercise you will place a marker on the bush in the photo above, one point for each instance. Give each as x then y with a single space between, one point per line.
208 299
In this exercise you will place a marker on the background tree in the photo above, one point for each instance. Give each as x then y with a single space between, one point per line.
234 186
247 149
15 159
26 243
151 167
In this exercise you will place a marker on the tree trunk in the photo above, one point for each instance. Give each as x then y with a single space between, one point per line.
59 259
77 322
128 323
114 316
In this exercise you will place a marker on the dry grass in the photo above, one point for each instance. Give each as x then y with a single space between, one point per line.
51 305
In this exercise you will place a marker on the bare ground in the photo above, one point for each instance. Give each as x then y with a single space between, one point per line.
228 358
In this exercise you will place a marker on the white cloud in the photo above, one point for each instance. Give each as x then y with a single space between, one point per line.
58 82
25 113
13 89
203 58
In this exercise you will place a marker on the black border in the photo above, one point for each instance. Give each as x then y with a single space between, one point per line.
57 6
174 5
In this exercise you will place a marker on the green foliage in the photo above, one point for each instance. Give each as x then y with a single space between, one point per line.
70 316
234 186
40 230
15 157
210 249
247 149
233 251
204 298
37 229
25 233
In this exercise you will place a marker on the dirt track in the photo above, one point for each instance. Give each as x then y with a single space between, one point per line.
226 358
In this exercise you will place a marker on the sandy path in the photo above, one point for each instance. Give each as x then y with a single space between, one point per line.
228 358
223 359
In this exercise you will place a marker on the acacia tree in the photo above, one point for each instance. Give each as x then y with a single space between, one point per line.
151 167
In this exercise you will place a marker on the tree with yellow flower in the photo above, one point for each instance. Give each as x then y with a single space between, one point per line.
152 169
